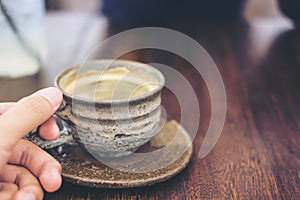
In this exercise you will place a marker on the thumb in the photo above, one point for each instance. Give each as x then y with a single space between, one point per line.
24 116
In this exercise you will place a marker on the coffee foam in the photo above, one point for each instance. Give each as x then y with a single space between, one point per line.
115 83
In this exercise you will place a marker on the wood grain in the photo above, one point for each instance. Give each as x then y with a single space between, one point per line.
258 153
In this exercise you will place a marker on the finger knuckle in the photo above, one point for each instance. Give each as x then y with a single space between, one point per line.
37 105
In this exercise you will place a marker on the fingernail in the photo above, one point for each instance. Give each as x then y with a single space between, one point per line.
28 196
53 95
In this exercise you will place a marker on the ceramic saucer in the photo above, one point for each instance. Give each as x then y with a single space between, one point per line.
164 156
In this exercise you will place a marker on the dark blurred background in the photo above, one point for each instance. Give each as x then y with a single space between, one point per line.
127 10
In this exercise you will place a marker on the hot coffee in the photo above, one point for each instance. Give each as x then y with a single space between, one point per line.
116 83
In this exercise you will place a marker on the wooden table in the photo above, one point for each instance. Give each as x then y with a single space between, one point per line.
258 153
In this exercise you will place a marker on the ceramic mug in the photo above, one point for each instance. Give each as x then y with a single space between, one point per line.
112 107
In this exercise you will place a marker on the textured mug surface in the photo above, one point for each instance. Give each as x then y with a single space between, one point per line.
103 121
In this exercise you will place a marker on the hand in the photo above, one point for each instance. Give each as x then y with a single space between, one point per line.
24 167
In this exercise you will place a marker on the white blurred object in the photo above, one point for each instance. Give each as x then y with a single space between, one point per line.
264 30
71 38
266 22
259 9
22 37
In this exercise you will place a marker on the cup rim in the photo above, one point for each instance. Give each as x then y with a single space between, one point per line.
160 77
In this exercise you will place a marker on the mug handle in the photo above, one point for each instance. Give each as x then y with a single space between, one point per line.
65 136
